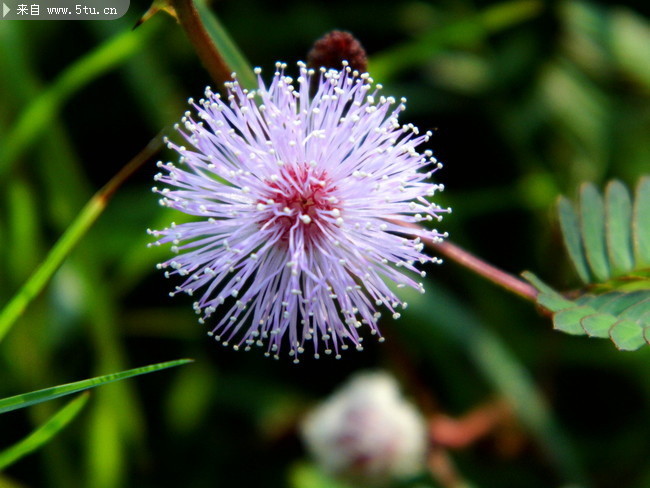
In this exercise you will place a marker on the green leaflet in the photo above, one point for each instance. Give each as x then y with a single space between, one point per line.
570 226
624 317
641 224
618 209
608 239
592 223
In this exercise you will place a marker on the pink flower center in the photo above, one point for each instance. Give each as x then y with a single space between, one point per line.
300 197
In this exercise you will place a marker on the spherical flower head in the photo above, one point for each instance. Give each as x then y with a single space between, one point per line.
301 205
367 432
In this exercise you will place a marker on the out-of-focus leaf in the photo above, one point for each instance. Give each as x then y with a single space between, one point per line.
585 36
27 399
463 32
461 72
580 109
6 482
630 38
44 433
497 364
305 475
23 232
40 112
189 393
106 458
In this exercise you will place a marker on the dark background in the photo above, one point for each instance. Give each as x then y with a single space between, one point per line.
528 99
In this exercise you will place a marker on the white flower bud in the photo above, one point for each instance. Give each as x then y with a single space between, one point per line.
367 431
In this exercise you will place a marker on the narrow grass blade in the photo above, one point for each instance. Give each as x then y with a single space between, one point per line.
86 218
642 224
27 399
37 281
44 433
592 224
618 216
572 238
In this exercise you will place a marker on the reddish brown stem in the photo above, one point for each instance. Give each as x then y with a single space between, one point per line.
458 433
486 270
152 147
189 19
480 267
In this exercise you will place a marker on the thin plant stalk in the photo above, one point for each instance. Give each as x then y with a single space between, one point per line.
480 267
70 238
188 17
477 265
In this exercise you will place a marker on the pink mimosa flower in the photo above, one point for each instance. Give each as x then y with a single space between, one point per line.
300 203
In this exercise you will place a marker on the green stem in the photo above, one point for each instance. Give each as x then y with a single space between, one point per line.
86 218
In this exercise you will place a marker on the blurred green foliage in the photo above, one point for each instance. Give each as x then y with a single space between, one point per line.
530 99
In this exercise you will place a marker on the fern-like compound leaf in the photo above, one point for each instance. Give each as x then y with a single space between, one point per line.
608 241
623 317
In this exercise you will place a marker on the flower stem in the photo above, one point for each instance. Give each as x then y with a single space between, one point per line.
188 17
483 420
480 267
70 238
486 270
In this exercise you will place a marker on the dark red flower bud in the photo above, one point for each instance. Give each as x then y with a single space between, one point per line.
335 47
